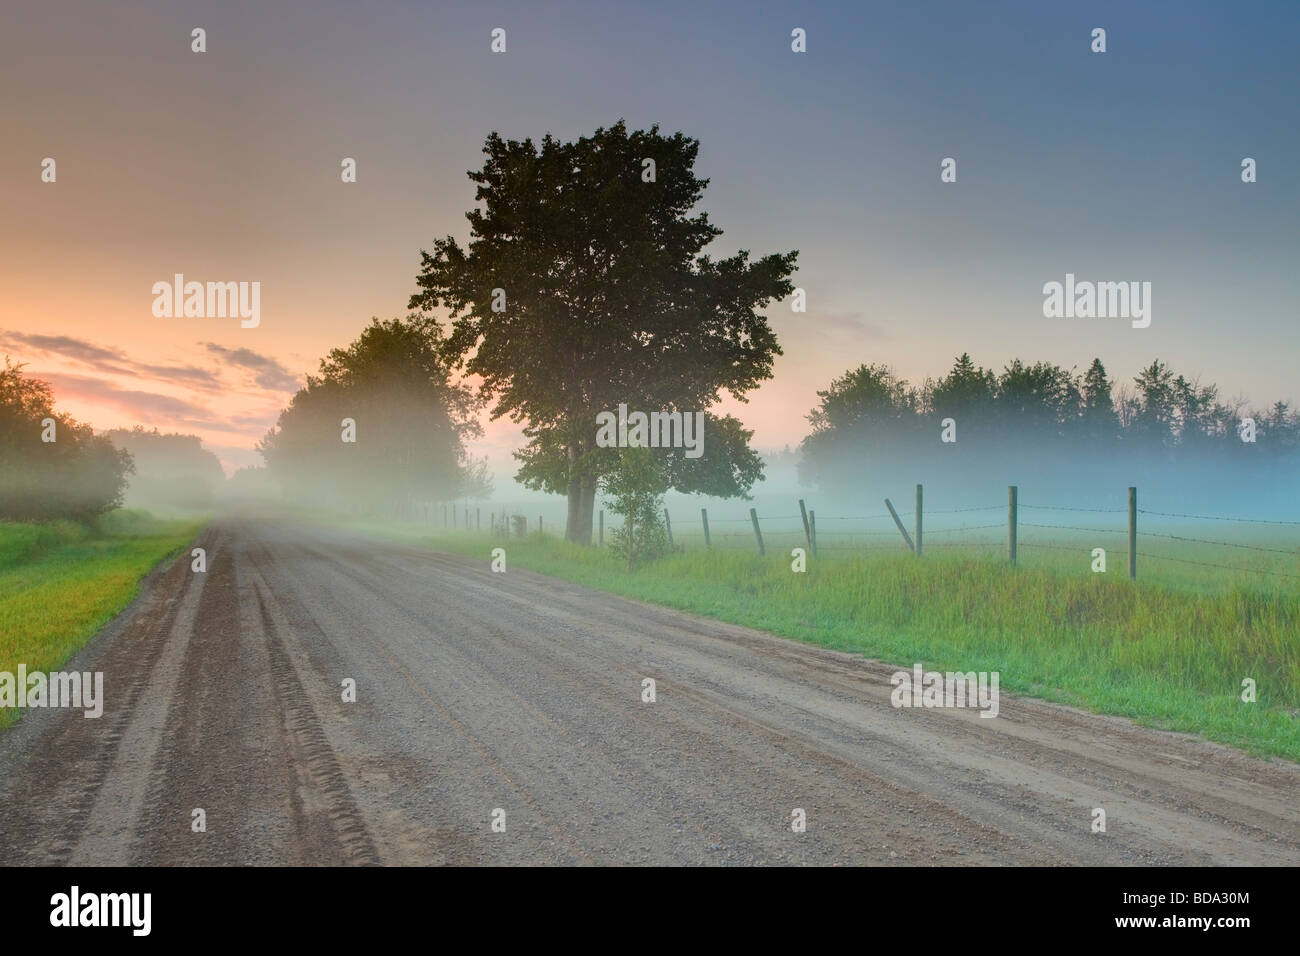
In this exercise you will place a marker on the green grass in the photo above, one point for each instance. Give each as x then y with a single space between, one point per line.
1168 651
61 582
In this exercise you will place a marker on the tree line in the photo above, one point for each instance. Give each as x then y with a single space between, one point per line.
1038 416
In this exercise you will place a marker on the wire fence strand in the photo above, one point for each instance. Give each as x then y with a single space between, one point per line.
780 530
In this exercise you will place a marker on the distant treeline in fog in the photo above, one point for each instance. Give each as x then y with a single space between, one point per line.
1074 434
173 470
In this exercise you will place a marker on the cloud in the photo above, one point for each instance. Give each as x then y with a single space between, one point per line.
269 373
191 409
64 345
110 361
262 422
140 404
183 374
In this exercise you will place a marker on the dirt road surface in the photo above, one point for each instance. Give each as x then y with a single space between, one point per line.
479 692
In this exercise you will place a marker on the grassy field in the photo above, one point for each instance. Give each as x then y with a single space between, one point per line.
1170 650
61 582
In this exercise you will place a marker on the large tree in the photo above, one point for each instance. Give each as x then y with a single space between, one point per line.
411 423
593 261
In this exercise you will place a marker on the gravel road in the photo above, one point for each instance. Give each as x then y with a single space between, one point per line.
479 692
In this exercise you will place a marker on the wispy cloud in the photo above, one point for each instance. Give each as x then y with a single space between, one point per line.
269 373
259 380
109 360
146 405
64 345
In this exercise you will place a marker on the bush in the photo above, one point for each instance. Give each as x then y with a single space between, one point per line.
636 491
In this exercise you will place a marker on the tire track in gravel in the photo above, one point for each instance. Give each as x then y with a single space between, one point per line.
245 744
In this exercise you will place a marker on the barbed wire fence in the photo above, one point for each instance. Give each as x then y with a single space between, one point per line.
1135 529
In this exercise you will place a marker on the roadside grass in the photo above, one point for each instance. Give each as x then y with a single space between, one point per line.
60 582
1169 651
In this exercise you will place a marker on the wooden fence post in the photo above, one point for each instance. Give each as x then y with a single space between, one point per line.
478 519
753 516
918 521
807 530
812 532
1133 533
602 528
539 524
901 530
668 523
704 517
1012 509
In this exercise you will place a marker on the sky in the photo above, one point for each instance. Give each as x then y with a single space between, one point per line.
225 166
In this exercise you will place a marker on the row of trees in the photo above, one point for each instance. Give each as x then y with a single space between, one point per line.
1033 414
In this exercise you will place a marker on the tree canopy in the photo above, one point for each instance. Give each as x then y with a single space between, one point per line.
409 424
585 286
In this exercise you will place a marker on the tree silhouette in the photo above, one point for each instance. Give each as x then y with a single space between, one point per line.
602 296
1100 421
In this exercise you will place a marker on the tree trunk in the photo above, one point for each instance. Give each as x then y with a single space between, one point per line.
587 508
573 521
581 492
